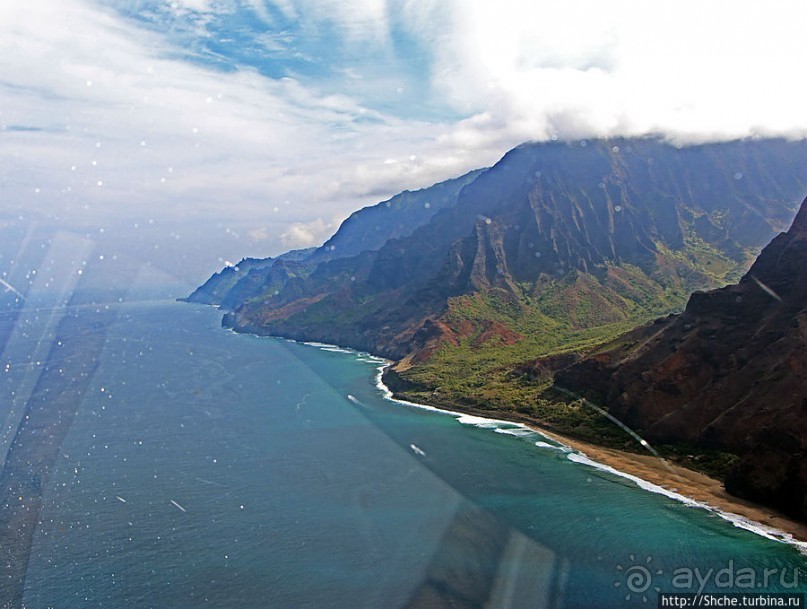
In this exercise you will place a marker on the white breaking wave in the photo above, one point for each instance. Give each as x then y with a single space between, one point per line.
518 432
417 450
738 521
481 422
519 429
337 350
582 459
559 447
369 360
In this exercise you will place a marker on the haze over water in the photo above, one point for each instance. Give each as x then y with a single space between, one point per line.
151 459
209 469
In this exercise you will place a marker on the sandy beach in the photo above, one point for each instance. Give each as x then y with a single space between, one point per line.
661 472
683 481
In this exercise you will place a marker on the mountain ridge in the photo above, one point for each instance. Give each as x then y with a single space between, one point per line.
542 212
366 229
729 372
551 253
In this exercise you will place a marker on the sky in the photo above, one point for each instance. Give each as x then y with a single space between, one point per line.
185 134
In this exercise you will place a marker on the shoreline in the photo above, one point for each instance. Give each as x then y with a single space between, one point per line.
670 479
675 481
708 493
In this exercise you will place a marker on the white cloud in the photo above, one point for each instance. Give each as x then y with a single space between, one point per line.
261 233
88 97
202 6
286 7
260 10
114 109
307 234
359 20
584 67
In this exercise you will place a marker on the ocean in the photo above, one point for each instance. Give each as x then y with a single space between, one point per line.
195 467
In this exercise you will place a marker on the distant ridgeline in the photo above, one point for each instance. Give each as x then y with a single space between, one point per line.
365 230
582 234
555 250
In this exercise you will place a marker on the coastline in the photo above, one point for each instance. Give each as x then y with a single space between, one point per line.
650 473
653 474
705 491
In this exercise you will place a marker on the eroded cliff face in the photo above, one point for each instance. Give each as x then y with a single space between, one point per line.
730 372
577 241
609 231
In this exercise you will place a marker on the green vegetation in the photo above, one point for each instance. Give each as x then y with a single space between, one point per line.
705 258
576 314
521 400
714 463
572 315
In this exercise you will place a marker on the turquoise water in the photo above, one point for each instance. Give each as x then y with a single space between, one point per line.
209 469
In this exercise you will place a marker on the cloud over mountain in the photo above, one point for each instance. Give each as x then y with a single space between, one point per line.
217 112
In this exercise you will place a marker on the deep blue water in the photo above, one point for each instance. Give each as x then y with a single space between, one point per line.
209 469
